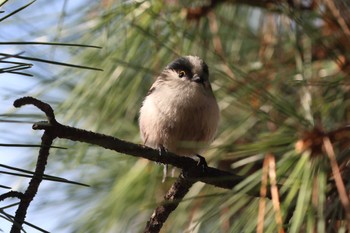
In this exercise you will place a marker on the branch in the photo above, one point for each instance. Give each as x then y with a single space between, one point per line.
44 107
171 200
53 129
34 183
212 176
12 194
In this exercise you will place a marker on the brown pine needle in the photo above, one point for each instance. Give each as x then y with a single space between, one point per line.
274 192
336 13
262 201
344 199
269 171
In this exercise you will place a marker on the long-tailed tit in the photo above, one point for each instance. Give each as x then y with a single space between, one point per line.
180 113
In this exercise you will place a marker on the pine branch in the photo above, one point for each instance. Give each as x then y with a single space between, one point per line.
194 172
29 194
11 194
171 200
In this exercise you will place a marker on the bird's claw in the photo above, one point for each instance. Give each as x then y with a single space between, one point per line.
202 162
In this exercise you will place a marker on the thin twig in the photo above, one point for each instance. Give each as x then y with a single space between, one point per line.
34 183
10 194
171 200
44 107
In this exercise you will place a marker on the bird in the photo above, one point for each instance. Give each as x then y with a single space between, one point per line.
180 113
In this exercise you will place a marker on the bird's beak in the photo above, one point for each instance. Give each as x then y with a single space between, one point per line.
196 78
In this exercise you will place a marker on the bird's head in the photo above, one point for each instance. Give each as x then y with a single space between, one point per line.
187 70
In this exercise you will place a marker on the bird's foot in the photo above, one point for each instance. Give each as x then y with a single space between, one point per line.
201 162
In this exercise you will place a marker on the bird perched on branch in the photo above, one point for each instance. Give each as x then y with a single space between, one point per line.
180 113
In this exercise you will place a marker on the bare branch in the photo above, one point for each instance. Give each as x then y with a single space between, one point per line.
34 183
10 194
46 108
171 200
178 190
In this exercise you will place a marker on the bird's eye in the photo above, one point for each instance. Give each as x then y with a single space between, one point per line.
181 73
